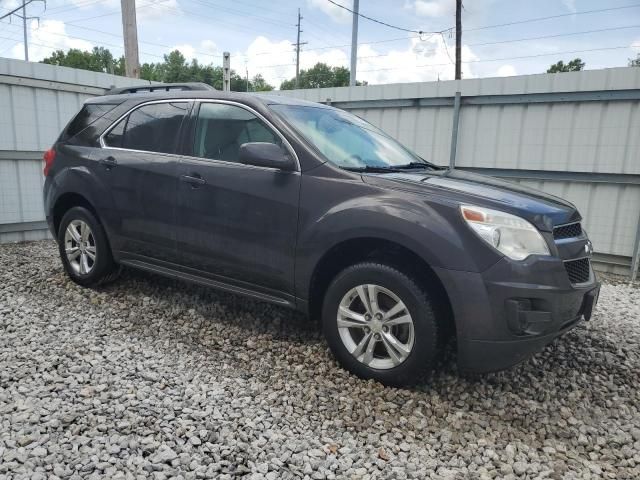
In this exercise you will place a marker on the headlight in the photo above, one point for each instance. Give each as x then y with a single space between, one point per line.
513 236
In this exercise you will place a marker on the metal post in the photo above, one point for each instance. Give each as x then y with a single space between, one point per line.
454 131
226 72
458 39
24 29
635 259
354 44
130 34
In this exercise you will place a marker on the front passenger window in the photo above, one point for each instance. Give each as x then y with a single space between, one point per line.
221 129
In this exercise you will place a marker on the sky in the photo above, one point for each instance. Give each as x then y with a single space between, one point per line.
500 37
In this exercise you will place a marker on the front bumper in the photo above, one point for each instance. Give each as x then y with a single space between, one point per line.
514 309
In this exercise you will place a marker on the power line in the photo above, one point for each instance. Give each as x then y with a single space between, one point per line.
515 58
515 40
539 19
419 32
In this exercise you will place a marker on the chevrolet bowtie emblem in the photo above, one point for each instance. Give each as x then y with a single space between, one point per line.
588 248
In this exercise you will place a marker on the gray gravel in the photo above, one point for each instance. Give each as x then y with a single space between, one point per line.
153 378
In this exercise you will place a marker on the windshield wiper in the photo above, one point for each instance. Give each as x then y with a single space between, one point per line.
372 169
410 165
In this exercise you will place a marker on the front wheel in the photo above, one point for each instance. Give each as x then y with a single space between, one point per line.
380 324
84 249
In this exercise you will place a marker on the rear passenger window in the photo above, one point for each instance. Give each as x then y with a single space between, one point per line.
222 128
151 128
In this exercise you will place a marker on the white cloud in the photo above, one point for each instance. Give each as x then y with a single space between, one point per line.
423 60
206 52
635 45
50 36
419 60
432 8
336 13
506 71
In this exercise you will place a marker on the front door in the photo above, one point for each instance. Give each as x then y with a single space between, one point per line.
139 164
237 222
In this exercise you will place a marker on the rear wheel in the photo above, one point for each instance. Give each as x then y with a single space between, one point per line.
380 324
84 248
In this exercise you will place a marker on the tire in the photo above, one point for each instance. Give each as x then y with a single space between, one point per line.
419 336
88 244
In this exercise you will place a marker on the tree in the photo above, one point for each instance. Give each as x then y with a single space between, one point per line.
260 84
635 62
574 65
173 69
319 76
98 60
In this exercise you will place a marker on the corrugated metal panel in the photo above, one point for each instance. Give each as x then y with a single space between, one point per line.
587 136
36 102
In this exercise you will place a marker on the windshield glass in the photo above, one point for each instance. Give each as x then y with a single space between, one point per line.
347 140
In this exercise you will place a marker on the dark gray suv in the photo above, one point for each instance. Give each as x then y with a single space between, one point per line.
310 207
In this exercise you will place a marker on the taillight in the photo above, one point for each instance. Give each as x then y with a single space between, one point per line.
49 157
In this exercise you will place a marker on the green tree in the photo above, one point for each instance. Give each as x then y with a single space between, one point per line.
635 62
173 69
319 76
259 84
574 65
98 60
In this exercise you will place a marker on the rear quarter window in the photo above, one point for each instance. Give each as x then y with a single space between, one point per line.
86 117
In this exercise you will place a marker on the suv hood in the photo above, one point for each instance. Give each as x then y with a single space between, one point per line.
539 208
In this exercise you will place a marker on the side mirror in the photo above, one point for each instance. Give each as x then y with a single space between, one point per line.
263 154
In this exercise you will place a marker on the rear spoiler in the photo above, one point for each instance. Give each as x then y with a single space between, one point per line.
160 87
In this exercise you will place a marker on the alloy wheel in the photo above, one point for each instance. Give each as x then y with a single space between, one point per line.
80 247
375 326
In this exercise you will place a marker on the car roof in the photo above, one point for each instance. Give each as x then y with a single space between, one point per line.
248 98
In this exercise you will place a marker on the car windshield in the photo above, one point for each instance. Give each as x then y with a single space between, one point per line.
347 140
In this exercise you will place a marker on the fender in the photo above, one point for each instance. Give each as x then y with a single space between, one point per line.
419 223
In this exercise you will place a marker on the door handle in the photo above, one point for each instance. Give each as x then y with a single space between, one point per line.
194 180
108 162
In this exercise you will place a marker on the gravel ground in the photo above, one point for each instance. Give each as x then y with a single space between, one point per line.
154 378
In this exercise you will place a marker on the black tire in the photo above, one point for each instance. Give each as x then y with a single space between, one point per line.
427 333
103 268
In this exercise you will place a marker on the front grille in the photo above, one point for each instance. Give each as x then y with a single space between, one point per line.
567 231
578 270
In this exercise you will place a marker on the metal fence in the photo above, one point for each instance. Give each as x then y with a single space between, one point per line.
575 135
36 102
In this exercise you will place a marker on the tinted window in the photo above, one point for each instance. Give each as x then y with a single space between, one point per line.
86 116
152 128
221 129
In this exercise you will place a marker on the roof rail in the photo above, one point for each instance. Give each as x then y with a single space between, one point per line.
160 87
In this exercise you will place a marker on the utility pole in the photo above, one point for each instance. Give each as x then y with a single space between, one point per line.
458 39
298 43
226 72
354 43
130 34
24 31
24 18
246 69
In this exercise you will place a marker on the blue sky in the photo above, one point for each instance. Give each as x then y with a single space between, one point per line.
259 34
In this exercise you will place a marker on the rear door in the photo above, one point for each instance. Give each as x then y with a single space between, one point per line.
236 222
138 161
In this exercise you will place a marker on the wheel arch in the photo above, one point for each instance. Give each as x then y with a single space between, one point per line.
65 202
360 249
